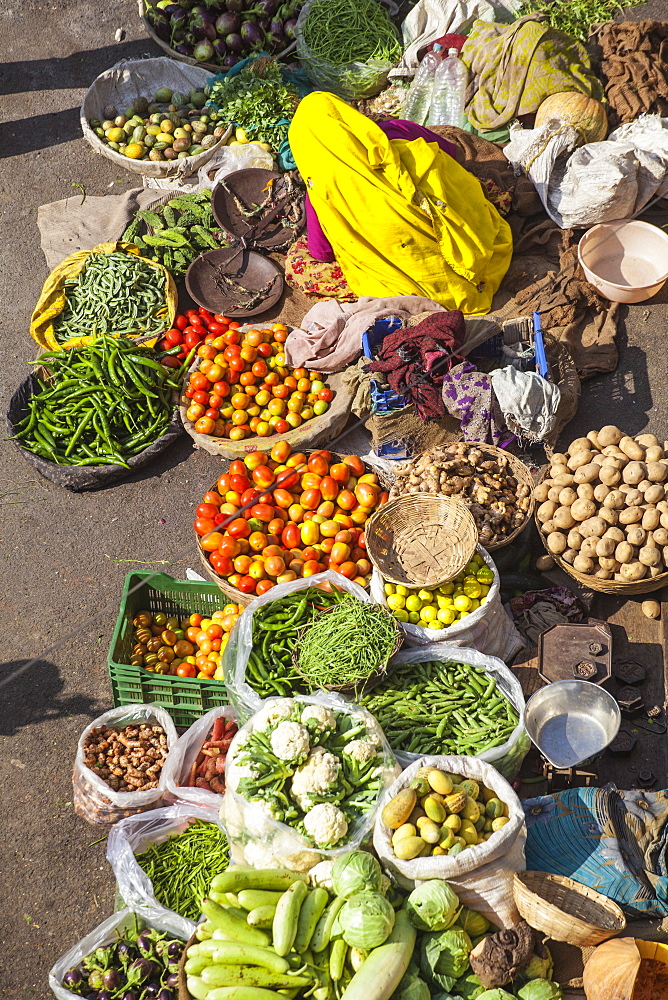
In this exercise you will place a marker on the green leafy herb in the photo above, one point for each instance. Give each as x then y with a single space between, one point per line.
256 99
575 16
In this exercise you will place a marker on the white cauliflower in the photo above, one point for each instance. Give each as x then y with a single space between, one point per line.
322 716
361 750
314 777
268 808
280 708
290 741
321 874
258 856
325 824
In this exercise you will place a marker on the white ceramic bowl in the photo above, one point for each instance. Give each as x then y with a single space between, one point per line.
626 261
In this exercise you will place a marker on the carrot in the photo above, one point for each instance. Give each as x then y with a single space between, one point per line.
190 783
218 728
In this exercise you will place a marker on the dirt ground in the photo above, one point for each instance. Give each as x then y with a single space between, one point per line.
64 557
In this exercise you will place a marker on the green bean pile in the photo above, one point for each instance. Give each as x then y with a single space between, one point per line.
346 645
347 31
441 708
101 404
276 626
115 293
181 867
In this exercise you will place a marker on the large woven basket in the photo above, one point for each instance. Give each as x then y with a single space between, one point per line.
566 910
594 583
421 539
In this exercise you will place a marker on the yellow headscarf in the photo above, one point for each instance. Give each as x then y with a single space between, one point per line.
403 218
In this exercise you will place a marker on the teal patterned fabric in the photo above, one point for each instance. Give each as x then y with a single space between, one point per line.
611 840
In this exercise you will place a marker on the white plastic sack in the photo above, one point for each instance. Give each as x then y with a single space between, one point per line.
507 758
256 838
430 19
183 755
135 834
600 181
141 78
93 799
235 658
225 160
103 935
487 629
482 876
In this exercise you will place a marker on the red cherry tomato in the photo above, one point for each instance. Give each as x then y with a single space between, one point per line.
246 585
216 327
207 510
201 397
222 564
204 525
170 362
192 337
237 468
181 322
174 337
238 528
239 483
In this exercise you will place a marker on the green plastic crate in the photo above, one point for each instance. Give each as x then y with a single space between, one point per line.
185 698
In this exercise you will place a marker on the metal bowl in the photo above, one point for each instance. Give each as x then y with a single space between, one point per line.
571 721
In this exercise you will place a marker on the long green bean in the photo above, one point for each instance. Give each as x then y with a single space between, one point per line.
101 404
181 867
347 31
115 293
436 707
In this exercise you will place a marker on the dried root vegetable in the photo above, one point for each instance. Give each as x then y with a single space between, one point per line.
128 759
208 769
603 506
483 480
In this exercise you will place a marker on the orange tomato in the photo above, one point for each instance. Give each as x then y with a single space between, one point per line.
363 567
290 536
317 463
340 472
253 338
212 497
263 476
340 552
256 570
239 528
274 566
329 488
253 460
304 385
272 550
257 541
211 542
229 509
367 494
348 569
263 586
296 513
310 499
275 526
286 577
282 498
343 519
311 567
186 670
329 529
310 481
346 500
248 353
295 460
360 515
242 564
310 533
229 547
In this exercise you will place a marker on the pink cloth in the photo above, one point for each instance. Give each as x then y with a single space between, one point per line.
318 245
330 337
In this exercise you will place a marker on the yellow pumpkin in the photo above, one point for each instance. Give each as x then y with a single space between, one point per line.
583 113
610 973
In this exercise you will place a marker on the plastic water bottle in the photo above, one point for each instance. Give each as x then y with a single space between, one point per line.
449 91
420 94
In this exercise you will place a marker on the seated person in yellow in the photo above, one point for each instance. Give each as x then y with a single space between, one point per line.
403 217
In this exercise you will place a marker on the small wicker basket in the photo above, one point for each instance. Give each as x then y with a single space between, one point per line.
566 910
421 539
360 687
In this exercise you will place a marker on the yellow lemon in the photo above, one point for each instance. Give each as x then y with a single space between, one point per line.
446 588
485 575
471 568
426 596
396 602
444 602
401 615
446 615
413 617
484 590
428 614
474 604
472 588
401 590
436 624
462 614
389 589
462 602
413 603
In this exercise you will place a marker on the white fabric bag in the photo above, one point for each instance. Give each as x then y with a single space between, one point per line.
482 876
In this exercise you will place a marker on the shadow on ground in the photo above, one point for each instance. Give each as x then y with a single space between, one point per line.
33 694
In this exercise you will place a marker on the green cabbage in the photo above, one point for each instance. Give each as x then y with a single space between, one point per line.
540 989
473 923
496 994
411 987
539 967
444 956
468 988
366 920
356 871
433 906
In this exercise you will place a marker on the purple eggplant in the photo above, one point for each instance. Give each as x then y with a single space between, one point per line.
174 949
227 23
72 978
267 7
234 42
276 32
177 16
173 8
96 979
161 28
183 49
252 34
290 28
112 979
145 944
235 6
204 51
129 995
230 60
220 48
151 991
140 970
104 995
172 979
165 995
203 27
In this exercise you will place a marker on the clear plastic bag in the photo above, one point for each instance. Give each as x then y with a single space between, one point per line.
507 759
235 658
104 935
354 81
94 800
183 755
482 876
231 158
135 834
256 838
488 628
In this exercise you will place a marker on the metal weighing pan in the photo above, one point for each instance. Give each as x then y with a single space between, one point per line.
571 721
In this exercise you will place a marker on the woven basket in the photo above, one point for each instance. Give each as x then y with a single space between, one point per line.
565 910
421 539
361 687
594 583
184 992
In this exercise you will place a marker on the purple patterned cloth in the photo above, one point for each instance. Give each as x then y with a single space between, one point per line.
468 396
